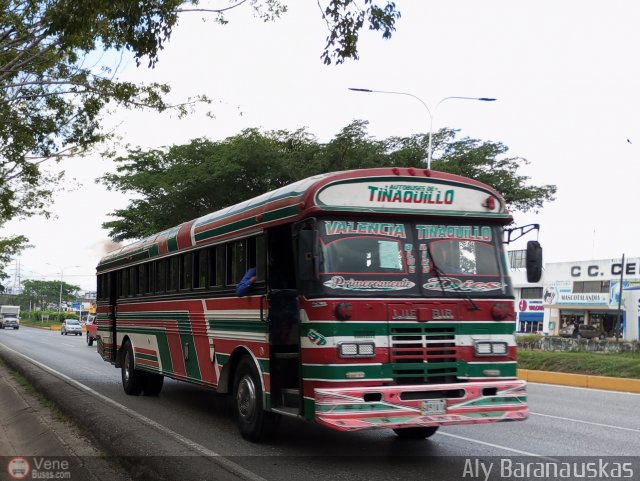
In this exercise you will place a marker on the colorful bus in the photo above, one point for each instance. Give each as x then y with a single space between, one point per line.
382 299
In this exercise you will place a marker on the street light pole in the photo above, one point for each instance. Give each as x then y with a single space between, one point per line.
61 274
431 114
60 298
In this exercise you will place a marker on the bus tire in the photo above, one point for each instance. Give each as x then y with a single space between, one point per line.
416 433
132 379
254 422
152 384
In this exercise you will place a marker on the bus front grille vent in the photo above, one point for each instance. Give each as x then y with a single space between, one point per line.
423 354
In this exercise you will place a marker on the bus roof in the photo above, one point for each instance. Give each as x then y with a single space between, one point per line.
382 190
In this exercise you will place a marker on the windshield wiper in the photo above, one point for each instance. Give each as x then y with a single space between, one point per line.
439 273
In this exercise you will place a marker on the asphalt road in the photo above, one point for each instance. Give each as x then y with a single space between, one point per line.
563 421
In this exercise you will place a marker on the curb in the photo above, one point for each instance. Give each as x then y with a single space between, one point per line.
139 447
581 380
55 327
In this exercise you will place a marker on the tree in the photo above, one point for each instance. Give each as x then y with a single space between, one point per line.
183 182
45 292
9 247
52 91
345 19
186 181
488 163
51 95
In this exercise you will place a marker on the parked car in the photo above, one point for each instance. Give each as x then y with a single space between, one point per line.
583 330
92 329
71 326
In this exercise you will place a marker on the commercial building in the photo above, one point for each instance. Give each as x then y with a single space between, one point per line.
528 297
582 292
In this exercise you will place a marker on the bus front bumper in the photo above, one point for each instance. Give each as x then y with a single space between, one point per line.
404 406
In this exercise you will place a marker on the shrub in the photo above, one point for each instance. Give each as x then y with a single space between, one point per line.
529 341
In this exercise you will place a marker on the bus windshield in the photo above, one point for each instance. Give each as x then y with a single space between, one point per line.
364 258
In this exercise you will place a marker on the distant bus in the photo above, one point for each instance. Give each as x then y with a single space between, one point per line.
382 299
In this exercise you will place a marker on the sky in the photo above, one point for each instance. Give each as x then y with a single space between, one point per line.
565 76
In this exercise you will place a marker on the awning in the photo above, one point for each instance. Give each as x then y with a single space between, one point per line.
530 316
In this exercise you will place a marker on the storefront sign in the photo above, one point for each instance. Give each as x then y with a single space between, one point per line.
552 296
528 305
605 269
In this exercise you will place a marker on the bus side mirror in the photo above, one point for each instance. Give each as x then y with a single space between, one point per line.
534 261
308 255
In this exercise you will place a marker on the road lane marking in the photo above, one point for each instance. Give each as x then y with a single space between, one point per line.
484 443
634 430
218 458
241 471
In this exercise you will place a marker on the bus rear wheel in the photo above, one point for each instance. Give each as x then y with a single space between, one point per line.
132 379
254 422
416 433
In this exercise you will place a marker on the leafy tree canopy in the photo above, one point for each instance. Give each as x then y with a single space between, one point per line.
183 182
9 247
45 292
53 89
52 92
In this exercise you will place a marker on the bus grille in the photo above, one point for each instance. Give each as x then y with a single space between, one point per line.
423 354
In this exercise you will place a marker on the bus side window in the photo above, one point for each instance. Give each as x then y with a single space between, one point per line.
200 260
257 256
150 273
216 265
124 278
142 279
174 274
161 275
186 271
132 283
236 262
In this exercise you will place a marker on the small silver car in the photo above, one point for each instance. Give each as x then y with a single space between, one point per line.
71 326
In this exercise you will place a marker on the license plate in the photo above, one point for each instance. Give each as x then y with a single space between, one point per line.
434 406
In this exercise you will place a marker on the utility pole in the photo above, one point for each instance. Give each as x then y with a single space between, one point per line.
618 321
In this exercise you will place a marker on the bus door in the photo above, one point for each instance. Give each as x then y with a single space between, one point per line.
111 356
284 322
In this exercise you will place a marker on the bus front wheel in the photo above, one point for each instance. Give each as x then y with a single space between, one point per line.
132 379
254 422
416 433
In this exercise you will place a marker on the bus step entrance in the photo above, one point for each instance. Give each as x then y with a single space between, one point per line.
285 379
285 355
290 397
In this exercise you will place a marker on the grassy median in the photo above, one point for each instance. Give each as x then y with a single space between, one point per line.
40 324
592 363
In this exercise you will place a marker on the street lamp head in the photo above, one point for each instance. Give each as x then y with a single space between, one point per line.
429 148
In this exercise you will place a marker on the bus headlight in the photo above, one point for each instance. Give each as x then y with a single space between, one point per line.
357 349
490 348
